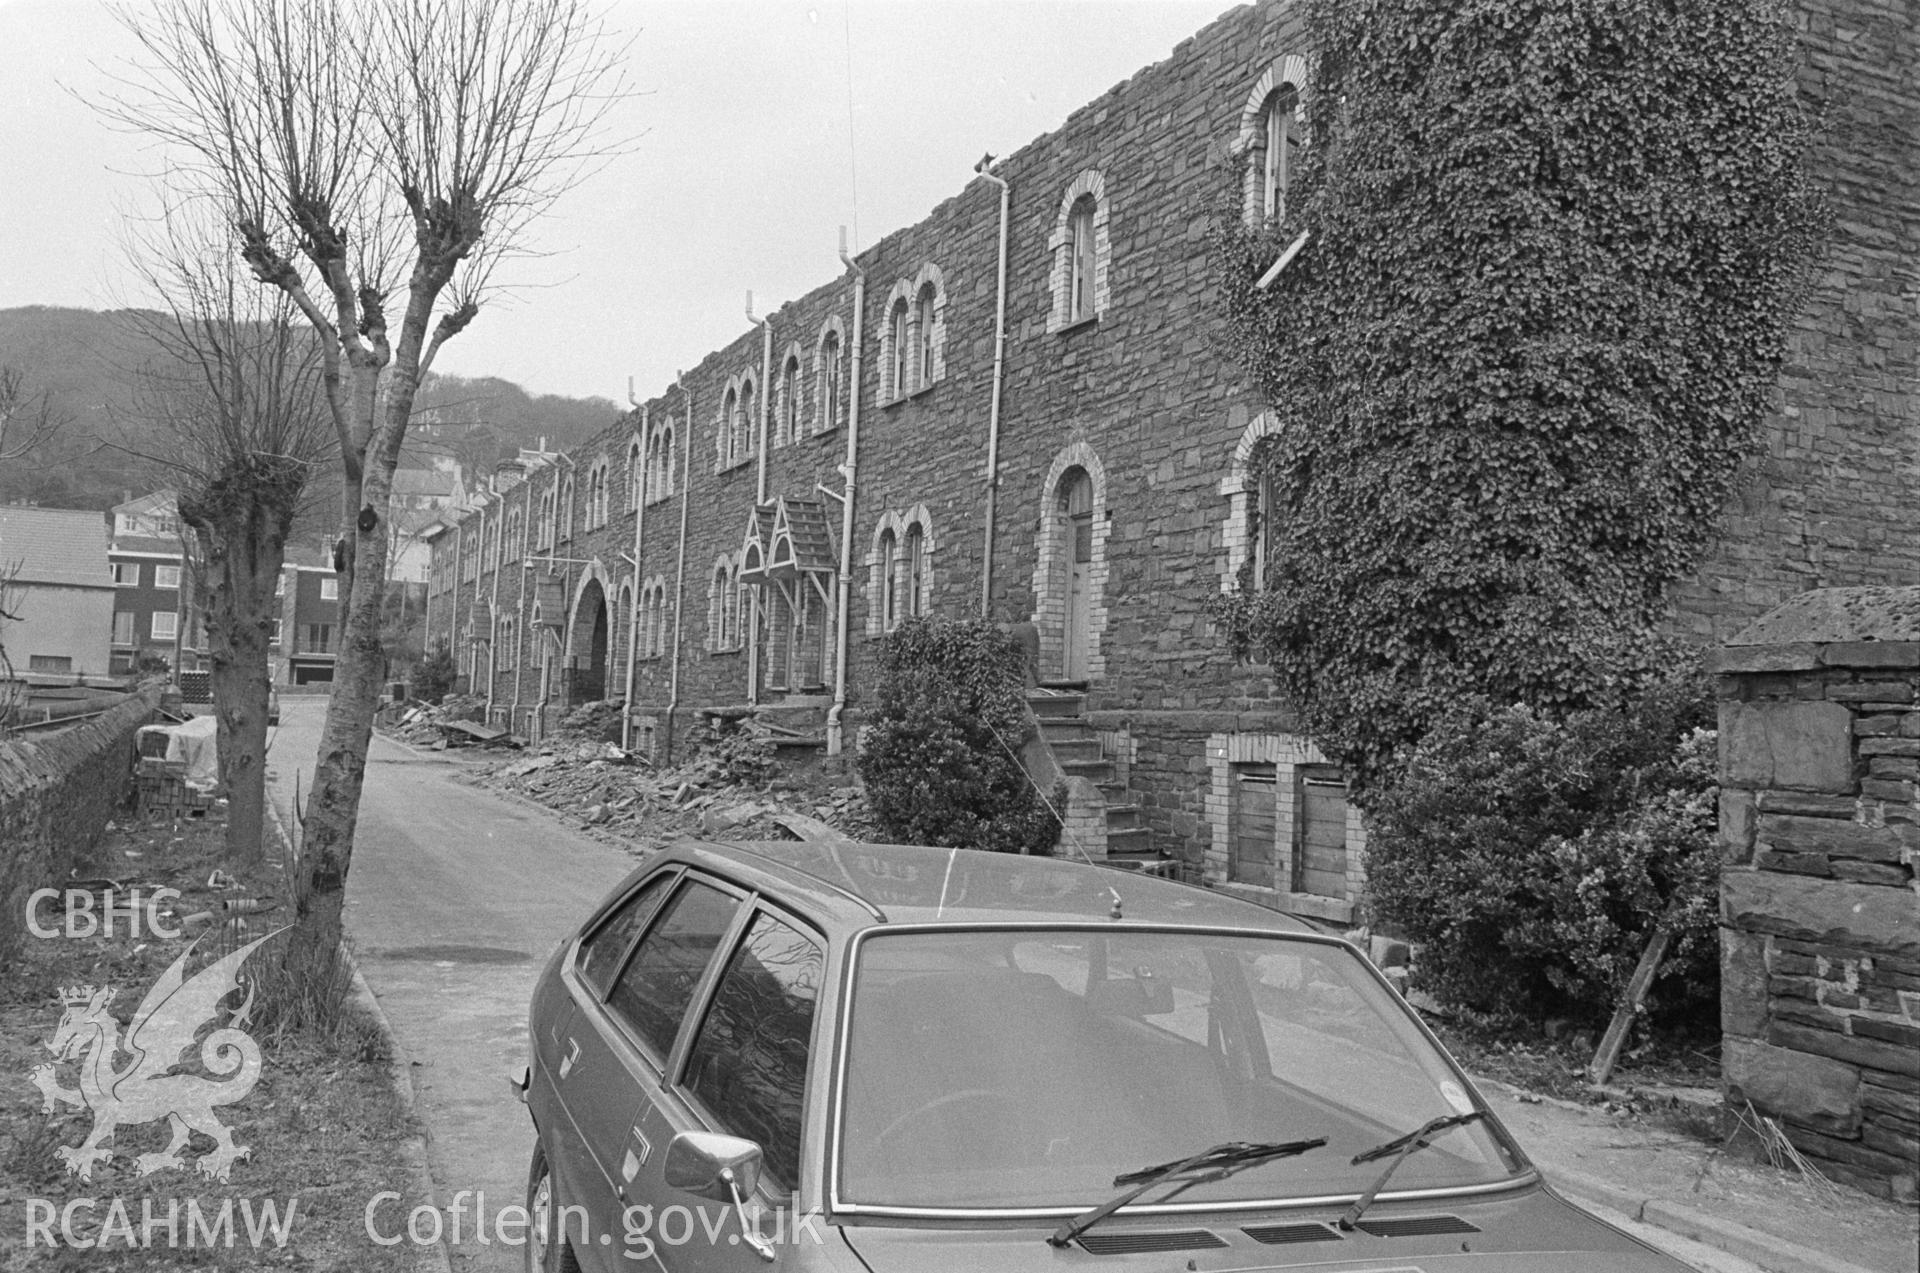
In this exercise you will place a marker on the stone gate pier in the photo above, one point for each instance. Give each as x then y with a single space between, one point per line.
1820 912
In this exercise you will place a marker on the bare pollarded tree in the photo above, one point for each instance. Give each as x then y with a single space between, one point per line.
27 419
233 401
375 159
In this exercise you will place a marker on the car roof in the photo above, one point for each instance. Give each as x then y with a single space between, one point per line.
852 885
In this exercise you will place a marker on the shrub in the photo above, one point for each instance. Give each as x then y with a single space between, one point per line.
1533 858
434 678
939 754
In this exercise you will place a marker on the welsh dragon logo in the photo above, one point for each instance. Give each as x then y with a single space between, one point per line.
149 1086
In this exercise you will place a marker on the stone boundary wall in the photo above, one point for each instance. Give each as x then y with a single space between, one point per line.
56 794
1820 913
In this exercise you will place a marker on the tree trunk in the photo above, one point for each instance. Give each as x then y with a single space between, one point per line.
243 543
340 768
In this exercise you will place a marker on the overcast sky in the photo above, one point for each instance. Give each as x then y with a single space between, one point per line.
762 127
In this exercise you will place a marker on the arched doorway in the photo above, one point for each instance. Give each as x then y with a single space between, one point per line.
1073 502
587 646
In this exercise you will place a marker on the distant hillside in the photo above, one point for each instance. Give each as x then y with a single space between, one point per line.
88 361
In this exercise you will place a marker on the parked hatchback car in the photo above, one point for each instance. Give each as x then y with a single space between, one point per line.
831 1056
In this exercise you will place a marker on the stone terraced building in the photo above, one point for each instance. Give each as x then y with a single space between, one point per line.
874 451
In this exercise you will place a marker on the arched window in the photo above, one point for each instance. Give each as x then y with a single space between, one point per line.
1262 524
543 530
889 581
748 441
737 608
1272 130
913 572
516 531
923 329
717 589
729 427
897 346
636 472
827 393
1280 132
1080 260
789 426
1082 254
563 511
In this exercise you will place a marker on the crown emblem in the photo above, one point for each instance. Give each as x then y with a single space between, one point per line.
76 996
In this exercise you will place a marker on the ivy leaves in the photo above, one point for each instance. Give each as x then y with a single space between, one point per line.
1556 246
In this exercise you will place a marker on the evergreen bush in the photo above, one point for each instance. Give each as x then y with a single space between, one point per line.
1532 858
939 755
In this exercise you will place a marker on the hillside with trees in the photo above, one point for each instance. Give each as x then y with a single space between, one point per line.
88 363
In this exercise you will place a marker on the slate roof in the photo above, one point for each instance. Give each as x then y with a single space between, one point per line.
1829 615
64 547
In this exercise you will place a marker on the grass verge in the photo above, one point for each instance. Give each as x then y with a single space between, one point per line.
324 1131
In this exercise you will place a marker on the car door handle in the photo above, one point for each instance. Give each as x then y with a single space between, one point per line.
573 1054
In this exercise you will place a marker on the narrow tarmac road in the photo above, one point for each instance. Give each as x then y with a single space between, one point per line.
454 901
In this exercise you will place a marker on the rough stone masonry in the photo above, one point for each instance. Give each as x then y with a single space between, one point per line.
1820 912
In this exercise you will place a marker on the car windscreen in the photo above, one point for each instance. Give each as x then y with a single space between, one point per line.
1020 1068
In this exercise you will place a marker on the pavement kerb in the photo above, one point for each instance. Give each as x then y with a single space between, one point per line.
1767 1250
413 1148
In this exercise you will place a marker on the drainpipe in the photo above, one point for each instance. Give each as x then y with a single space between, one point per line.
680 569
985 169
760 496
633 601
520 610
836 738
493 611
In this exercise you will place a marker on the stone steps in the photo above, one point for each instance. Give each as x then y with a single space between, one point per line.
1061 710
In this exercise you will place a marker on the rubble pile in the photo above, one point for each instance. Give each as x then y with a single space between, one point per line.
420 725
730 789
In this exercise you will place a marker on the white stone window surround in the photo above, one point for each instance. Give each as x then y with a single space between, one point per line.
828 408
1237 486
878 584
653 613
790 396
636 467
1053 546
1286 753
723 590
1287 71
659 460
902 366
733 433
1088 184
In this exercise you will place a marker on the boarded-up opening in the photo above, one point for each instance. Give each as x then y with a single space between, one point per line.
1320 832
1254 815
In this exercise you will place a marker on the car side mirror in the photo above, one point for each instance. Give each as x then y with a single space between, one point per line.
711 1165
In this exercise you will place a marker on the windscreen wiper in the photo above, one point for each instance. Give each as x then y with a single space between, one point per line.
1208 1165
1402 1148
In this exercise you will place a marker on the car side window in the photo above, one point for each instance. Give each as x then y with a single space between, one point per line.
652 992
601 951
748 1064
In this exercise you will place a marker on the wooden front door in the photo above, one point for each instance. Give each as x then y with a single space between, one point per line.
1076 503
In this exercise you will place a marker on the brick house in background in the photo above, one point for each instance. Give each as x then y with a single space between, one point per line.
306 636
1094 486
154 621
53 562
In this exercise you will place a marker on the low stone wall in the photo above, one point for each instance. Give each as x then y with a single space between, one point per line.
1820 912
56 793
